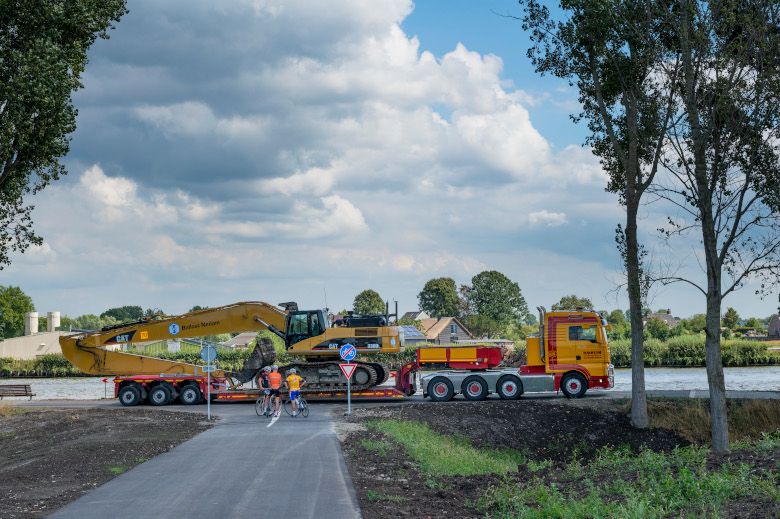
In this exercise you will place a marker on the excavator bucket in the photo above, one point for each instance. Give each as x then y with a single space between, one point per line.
264 354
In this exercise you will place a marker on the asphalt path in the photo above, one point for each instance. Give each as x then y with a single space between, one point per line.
245 466
248 465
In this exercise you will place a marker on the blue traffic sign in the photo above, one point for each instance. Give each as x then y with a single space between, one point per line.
348 352
208 353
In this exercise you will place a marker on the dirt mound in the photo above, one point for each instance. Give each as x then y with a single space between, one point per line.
546 430
51 457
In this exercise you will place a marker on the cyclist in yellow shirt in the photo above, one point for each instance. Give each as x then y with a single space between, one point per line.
294 383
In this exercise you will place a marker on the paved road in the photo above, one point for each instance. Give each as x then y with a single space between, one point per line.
246 466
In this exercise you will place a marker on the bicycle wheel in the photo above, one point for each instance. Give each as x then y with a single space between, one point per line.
259 406
288 407
304 408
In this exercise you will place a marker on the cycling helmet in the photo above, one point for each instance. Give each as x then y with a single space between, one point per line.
292 370
267 369
275 367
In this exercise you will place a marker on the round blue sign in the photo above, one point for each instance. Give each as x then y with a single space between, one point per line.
348 351
208 353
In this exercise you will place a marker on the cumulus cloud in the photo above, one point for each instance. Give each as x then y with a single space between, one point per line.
547 218
273 147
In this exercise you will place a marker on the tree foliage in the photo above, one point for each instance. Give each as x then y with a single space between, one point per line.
439 297
124 314
611 51
368 302
572 302
43 52
731 318
481 325
657 328
14 303
495 296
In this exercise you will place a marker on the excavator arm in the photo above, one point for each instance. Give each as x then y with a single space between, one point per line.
89 351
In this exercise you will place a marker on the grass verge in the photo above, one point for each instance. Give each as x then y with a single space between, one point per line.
647 485
441 455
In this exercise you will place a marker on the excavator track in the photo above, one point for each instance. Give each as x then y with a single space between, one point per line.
326 376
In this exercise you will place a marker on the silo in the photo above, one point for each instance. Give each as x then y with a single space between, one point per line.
30 323
52 321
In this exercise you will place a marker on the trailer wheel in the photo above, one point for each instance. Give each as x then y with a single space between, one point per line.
509 387
190 395
574 385
440 389
474 388
129 396
160 395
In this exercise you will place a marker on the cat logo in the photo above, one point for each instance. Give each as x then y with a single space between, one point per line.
144 335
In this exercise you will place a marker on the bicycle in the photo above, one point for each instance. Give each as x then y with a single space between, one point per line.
261 410
301 404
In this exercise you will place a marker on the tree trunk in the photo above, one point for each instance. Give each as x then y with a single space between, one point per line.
639 416
714 359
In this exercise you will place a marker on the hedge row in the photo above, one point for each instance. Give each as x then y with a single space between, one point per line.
689 351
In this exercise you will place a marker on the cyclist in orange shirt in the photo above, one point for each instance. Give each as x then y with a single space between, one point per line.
275 380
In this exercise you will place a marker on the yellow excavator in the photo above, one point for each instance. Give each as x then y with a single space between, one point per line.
306 334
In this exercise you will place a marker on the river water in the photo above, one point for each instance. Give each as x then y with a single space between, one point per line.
762 378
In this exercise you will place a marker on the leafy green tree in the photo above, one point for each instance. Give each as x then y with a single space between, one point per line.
88 322
752 323
621 328
196 308
14 303
611 50
368 302
723 166
495 296
43 52
572 302
124 314
481 325
731 318
657 328
439 297
695 324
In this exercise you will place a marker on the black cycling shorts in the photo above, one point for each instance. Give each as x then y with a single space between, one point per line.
276 393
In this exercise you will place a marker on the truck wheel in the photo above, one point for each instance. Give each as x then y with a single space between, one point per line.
474 388
159 395
509 387
574 385
440 389
129 396
190 395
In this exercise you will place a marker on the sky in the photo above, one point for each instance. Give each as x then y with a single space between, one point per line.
309 150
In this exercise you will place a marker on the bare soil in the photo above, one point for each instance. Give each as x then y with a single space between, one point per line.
392 485
50 457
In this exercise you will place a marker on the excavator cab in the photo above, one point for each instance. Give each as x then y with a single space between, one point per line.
304 324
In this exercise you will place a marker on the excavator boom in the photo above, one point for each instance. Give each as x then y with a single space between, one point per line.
89 351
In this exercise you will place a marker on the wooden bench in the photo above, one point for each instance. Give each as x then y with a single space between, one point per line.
16 390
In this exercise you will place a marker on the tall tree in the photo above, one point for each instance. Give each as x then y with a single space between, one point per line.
723 159
612 51
43 52
571 302
730 318
368 302
439 297
496 297
14 303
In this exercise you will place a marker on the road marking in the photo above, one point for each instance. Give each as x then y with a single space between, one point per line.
273 421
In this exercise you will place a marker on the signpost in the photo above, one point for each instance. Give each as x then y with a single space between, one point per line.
348 352
209 354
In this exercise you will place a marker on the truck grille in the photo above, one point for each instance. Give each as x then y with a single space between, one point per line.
366 332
